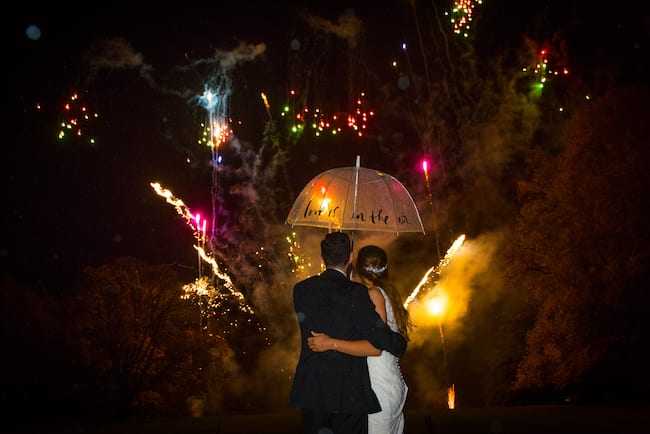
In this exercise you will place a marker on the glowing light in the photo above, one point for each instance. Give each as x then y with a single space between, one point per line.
415 292
225 278
210 301
425 169
543 69
436 306
267 106
462 15
178 204
266 101
299 264
321 122
430 280
325 204
78 118
199 232
451 397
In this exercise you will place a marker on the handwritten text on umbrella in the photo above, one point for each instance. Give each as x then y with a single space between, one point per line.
376 216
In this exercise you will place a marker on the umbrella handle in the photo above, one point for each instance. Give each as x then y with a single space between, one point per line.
356 187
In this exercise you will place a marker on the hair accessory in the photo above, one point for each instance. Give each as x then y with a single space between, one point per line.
376 270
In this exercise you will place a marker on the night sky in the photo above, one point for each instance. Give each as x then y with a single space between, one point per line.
70 203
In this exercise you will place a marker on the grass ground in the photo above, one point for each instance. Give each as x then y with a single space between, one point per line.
502 420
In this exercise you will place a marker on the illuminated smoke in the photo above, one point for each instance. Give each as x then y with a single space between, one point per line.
429 280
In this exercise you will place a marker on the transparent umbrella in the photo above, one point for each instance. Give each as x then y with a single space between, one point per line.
356 198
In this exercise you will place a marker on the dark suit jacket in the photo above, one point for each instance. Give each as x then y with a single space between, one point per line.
333 382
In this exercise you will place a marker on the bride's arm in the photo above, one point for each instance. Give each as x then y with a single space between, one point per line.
320 342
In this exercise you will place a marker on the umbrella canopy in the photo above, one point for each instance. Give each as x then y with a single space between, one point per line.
356 198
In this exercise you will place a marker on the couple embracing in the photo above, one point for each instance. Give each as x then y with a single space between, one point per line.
348 379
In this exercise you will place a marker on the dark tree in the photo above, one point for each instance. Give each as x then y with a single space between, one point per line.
139 342
582 251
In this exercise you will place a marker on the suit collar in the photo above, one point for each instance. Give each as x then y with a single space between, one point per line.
333 273
339 270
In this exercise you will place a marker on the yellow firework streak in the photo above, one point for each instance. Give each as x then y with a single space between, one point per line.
438 269
223 276
184 211
180 206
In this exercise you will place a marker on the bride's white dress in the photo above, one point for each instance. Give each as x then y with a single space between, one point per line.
389 386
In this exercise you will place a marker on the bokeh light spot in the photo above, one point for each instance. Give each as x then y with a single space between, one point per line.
33 32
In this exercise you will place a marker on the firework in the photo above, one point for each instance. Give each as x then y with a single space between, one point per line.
78 119
545 69
451 397
199 230
181 209
433 274
461 15
321 123
225 278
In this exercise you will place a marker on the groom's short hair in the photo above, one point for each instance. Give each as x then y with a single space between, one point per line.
335 249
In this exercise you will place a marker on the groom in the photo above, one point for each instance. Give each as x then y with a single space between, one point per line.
333 389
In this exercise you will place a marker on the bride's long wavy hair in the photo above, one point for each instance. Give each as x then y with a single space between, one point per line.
372 267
